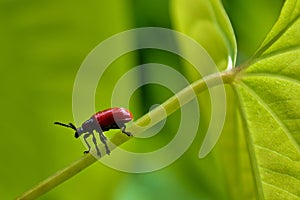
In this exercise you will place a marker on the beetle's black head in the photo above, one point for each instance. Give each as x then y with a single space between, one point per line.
70 125
76 134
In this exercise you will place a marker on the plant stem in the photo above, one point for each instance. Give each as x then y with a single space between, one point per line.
59 177
146 121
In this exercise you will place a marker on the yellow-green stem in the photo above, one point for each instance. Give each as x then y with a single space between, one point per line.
154 116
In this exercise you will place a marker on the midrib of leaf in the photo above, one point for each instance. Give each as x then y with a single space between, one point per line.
273 40
251 151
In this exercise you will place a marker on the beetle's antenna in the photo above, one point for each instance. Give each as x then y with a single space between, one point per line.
70 125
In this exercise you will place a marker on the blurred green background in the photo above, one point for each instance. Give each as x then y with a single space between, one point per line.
43 44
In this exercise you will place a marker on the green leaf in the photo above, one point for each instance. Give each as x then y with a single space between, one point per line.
285 33
207 22
269 90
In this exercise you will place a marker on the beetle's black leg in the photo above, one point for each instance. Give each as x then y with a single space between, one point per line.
103 140
89 146
95 143
127 133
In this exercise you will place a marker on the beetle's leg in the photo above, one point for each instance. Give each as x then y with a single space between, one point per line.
103 140
95 143
89 146
127 133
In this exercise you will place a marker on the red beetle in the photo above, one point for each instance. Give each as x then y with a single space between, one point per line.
112 118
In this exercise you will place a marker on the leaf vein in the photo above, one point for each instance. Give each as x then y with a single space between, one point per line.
277 37
251 151
276 53
280 173
275 117
278 188
276 152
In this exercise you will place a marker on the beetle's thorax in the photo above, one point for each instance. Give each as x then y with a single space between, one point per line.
88 126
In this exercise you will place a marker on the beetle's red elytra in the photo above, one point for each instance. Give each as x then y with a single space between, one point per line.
112 118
